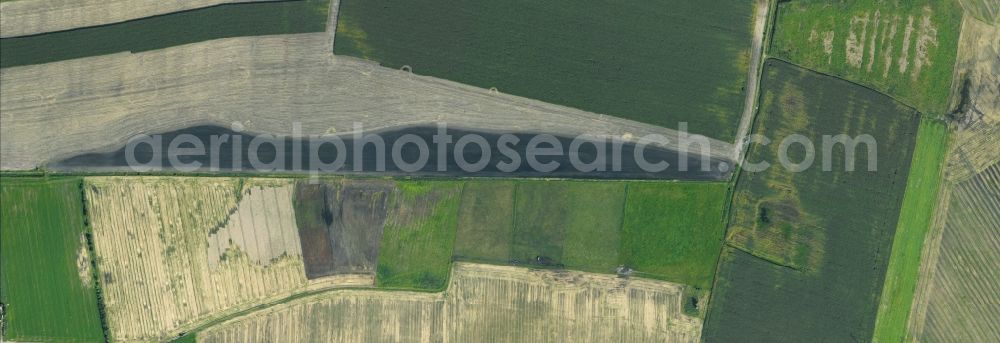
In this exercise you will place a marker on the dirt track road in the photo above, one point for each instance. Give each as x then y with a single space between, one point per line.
763 8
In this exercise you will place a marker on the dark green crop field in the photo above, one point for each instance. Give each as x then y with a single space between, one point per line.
809 250
649 61
41 287
157 32
903 48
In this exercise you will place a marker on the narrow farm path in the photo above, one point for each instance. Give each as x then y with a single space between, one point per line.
763 10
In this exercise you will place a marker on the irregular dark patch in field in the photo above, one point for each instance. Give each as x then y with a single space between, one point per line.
276 154
808 251
340 225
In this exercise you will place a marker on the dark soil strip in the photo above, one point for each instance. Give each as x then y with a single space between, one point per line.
230 161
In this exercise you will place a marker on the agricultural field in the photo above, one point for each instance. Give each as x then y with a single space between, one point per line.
340 222
674 231
903 48
987 11
649 227
175 252
46 273
915 220
808 250
157 32
960 287
957 290
686 62
976 99
486 222
481 303
572 224
419 235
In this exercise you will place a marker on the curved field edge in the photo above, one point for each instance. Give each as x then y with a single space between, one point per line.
166 30
22 18
618 59
482 302
46 273
915 219
906 50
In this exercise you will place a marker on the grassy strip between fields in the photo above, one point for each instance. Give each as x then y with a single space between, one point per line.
915 220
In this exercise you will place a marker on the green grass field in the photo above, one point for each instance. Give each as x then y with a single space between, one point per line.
649 61
915 219
41 226
670 230
674 231
571 223
864 41
417 242
224 21
486 222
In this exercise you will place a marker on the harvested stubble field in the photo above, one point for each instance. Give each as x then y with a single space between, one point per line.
960 284
976 100
46 274
175 252
903 48
640 60
233 80
809 250
915 219
481 303
172 29
957 294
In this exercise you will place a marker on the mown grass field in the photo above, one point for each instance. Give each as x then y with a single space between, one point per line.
642 60
41 229
576 224
904 48
915 220
809 250
664 230
674 231
223 21
419 235
486 222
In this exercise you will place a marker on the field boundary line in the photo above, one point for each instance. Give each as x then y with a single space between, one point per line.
231 3
762 23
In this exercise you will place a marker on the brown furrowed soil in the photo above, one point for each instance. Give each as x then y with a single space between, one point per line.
343 221
482 303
